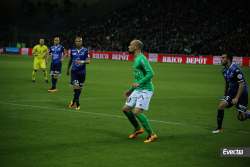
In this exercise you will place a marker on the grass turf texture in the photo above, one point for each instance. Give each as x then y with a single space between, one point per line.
38 129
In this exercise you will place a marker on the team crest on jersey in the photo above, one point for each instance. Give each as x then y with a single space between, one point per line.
78 54
239 76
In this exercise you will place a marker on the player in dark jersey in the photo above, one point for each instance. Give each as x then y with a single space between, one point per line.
79 57
237 94
56 52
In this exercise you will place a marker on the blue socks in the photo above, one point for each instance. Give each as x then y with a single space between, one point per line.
220 117
76 97
247 116
54 83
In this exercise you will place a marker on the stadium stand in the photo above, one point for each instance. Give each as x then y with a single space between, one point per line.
197 27
207 27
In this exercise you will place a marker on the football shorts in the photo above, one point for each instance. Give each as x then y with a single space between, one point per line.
39 63
242 102
77 78
55 69
140 99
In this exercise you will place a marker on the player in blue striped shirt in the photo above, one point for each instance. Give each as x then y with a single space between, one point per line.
79 57
56 52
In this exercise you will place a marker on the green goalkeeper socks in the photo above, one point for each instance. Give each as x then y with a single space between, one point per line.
145 124
132 119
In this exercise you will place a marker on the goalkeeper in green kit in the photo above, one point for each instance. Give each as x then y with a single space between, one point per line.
140 93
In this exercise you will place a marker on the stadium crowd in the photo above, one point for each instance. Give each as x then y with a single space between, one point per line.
199 27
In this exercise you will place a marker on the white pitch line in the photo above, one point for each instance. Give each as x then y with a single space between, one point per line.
117 98
85 112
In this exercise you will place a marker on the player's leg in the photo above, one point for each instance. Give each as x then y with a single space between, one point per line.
241 107
75 79
74 82
220 116
143 104
43 67
34 75
225 103
36 67
51 73
76 97
54 82
127 110
81 80
241 116
144 120
57 71
80 91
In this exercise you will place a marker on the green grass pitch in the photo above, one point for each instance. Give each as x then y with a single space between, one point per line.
37 128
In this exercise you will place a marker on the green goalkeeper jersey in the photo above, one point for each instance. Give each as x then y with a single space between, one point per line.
143 74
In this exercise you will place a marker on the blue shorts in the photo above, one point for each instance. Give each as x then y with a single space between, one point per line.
77 78
242 102
55 69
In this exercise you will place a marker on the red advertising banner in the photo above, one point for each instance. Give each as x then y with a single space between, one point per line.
152 57
2 49
246 61
24 51
111 55
168 58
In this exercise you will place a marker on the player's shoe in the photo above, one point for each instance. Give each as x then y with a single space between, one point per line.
136 133
33 80
71 104
46 81
217 131
150 138
52 90
77 108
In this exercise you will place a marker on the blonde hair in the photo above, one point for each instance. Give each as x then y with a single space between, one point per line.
138 43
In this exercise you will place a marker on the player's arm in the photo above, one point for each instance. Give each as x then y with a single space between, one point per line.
240 81
132 87
34 51
48 55
226 87
127 93
146 66
64 54
70 62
